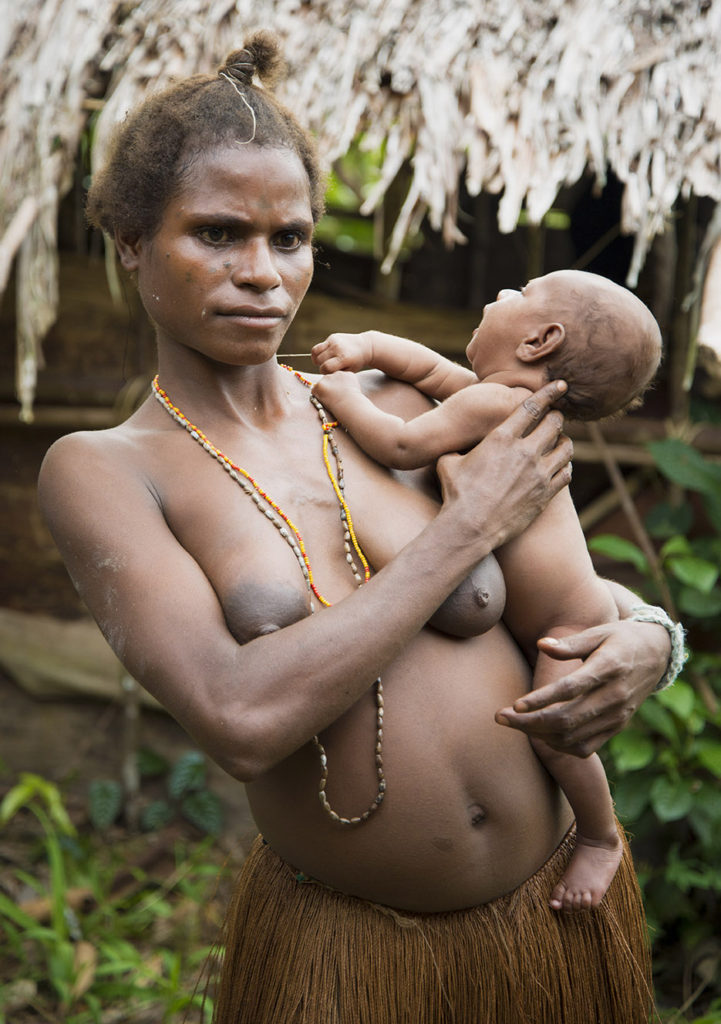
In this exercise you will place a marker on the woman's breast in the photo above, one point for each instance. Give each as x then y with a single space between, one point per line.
476 604
469 811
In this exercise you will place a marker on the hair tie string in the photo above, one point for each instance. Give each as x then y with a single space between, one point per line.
230 79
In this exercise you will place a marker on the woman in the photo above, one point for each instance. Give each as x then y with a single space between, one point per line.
234 598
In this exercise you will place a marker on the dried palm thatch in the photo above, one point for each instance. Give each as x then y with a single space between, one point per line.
520 99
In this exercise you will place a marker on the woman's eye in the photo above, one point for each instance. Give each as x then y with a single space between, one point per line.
289 240
214 234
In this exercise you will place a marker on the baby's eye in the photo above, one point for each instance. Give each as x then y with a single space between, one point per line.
214 233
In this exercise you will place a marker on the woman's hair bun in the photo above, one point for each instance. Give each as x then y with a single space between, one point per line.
260 56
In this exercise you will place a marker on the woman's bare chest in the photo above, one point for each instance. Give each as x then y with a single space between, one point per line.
275 534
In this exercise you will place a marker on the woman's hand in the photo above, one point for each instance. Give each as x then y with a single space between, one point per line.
622 664
505 481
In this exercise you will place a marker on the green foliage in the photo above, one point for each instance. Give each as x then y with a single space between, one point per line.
105 801
187 795
142 950
665 768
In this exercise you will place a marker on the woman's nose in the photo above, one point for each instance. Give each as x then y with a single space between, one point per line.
256 266
505 293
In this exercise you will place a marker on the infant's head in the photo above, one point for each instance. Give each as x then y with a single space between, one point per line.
592 333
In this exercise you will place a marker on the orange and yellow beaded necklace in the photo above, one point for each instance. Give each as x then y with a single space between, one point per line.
290 533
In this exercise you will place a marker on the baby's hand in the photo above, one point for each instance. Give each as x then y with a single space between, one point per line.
342 352
335 386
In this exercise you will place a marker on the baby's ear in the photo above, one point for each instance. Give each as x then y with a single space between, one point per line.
545 340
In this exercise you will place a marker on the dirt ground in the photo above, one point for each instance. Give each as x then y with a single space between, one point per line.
73 741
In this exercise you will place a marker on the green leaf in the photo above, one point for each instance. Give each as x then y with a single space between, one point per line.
694 572
187 774
620 549
105 800
660 719
676 546
203 809
684 466
156 815
631 750
151 764
630 796
671 799
679 698
712 504
700 606
32 788
665 520
705 817
708 752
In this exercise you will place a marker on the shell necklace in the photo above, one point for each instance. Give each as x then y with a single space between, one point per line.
290 533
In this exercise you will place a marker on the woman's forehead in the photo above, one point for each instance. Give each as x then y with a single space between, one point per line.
246 176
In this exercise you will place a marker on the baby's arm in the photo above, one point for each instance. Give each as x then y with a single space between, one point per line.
399 358
455 425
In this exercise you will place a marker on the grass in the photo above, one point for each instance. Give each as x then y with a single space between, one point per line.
102 928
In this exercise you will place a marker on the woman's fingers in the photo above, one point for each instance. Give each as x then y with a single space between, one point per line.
579 712
533 409
579 727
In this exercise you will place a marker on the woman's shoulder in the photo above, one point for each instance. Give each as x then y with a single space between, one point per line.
83 447
88 462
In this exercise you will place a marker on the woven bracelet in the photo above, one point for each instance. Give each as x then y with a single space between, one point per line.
677 658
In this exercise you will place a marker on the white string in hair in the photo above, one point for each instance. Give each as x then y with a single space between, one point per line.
228 78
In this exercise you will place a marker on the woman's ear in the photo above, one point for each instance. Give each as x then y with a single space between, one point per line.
541 343
128 250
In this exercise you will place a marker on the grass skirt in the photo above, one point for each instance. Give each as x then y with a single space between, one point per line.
301 953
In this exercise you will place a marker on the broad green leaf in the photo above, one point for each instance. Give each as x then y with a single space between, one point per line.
708 752
156 815
685 466
187 774
203 809
666 520
631 750
630 796
694 572
705 816
105 801
700 606
679 698
712 504
691 873
660 719
620 549
676 546
671 799
151 764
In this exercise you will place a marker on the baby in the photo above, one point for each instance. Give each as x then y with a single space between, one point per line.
605 343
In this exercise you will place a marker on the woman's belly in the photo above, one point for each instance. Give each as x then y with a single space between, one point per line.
469 811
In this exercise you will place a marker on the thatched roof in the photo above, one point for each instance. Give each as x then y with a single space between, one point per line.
519 98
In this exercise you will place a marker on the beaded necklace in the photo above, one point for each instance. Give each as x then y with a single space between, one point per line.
290 533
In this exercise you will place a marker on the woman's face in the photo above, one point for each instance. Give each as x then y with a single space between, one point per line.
231 261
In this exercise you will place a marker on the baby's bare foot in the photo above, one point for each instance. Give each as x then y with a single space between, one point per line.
589 873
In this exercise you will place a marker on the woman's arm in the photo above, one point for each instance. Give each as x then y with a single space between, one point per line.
251 706
622 660
399 358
